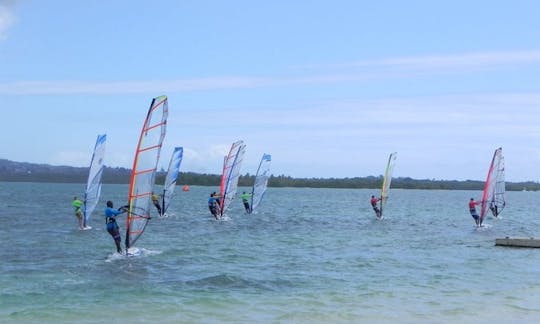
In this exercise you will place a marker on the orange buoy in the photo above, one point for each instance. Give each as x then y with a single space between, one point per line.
185 188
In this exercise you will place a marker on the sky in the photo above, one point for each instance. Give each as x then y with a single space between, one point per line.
328 88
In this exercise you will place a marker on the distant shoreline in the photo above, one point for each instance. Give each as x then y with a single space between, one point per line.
11 171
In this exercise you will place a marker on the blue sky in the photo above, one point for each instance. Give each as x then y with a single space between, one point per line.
329 88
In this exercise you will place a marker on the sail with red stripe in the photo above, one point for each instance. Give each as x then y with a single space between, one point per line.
144 169
494 188
230 176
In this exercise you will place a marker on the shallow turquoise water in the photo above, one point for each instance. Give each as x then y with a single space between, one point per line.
308 255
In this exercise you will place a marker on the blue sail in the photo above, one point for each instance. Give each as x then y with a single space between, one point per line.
93 186
261 181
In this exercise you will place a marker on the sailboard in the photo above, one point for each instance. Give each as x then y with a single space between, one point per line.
230 176
93 185
261 181
144 169
387 181
494 188
170 179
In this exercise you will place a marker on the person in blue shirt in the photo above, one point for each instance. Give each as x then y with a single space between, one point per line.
213 205
112 226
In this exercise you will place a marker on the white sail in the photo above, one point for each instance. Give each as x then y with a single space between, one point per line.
387 180
261 181
230 176
172 176
93 186
144 169
494 188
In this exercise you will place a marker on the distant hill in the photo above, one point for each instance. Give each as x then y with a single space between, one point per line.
32 172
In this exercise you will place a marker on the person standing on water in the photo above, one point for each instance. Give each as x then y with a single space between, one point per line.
374 202
77 204
112 226
472 210
494 209
213 205
155 200
245 199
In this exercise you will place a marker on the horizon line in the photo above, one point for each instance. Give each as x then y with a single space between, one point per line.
284 175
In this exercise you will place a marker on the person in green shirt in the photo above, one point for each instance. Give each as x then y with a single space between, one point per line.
245 199
77 204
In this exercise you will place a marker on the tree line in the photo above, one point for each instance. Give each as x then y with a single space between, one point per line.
30 172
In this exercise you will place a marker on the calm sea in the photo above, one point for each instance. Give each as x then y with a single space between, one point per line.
307 256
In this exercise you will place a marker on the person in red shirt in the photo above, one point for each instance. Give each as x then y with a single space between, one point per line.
374 202
472 209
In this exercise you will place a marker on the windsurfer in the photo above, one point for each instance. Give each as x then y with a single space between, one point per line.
112 226
374 202
245 199
494 209
77 204
474 214
213 205
216 196
155 200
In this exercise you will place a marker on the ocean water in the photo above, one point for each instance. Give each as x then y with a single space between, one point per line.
306 256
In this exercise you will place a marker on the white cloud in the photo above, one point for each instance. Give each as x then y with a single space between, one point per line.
443 62
7 19
371 69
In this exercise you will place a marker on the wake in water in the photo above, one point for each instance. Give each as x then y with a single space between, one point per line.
482 227
132 252
167 215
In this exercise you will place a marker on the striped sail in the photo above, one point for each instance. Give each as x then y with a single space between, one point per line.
261 181
144 169
494 188
387 180
230 175
172 175
93 186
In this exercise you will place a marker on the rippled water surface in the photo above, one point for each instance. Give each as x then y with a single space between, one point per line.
306 256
